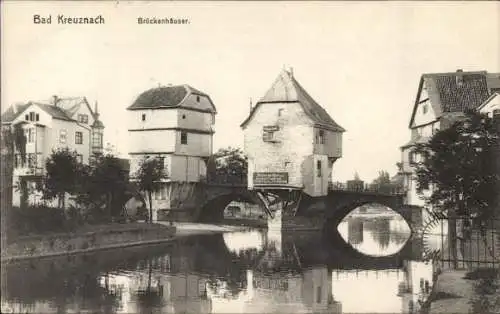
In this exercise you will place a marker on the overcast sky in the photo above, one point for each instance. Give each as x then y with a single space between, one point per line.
360 61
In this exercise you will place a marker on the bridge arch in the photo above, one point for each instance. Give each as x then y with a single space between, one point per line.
217 198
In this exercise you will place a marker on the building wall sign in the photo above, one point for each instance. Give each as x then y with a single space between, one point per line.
270 177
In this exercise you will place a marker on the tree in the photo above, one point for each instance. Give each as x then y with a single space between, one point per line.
149 175
356 176
64 173
456 166
457 170
228 164
383 182
105 183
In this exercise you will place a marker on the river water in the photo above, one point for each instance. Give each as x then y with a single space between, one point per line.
375 267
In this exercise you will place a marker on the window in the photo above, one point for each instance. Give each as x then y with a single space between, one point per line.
79 158
318 294
183 116
32 116
184 137
424 108
268 133
198 98
318 168
37 117
496 112
143 117
280 112
78 138
321 137
30 135
83 118
267 136
62 136
97 139
27 117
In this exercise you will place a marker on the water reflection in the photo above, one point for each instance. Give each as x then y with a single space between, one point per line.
375 236
246 272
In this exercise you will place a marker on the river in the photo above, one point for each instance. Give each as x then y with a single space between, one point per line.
375 268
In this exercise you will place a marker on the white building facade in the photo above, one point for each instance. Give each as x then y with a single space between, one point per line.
175 124
290 140
47 126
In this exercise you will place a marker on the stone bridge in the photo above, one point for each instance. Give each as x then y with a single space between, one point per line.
208 202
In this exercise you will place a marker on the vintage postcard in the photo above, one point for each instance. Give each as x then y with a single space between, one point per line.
250 157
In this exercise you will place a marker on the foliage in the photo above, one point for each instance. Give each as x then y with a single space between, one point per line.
104 187
457 167
64 173
151 171
356 176
34 219
228 164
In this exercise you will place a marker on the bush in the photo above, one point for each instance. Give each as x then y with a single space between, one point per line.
34 219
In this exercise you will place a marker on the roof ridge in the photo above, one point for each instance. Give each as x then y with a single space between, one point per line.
483 72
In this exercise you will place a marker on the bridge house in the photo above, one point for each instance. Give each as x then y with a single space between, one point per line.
441 99
290 140
175 124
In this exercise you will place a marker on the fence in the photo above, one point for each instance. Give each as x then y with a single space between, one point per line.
477 243
366 188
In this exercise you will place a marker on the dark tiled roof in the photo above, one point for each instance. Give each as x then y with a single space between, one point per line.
164 97
287 89
55 112
458 97
455 91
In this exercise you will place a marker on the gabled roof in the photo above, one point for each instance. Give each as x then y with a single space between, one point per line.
453 91
13 112
487 101
166 97
63 109
16 110
286 89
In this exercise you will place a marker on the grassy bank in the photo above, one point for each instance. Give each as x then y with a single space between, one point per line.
86 238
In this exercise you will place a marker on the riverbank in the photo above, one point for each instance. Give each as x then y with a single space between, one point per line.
86 239
462 291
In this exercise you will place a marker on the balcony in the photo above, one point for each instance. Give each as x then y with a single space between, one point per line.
32 166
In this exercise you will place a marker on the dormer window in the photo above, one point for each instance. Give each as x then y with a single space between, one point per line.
83 118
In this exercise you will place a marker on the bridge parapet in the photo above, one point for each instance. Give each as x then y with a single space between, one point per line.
367 188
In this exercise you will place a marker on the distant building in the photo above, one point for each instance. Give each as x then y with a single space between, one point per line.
441 99
290 140
59 123
491 106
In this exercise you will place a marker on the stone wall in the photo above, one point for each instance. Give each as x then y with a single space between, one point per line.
72 243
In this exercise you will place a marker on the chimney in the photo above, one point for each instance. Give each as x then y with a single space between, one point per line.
55 99
96 110
459 77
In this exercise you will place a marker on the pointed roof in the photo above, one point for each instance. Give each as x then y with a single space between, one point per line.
16 110
166 97
487 101
453 91
286 89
